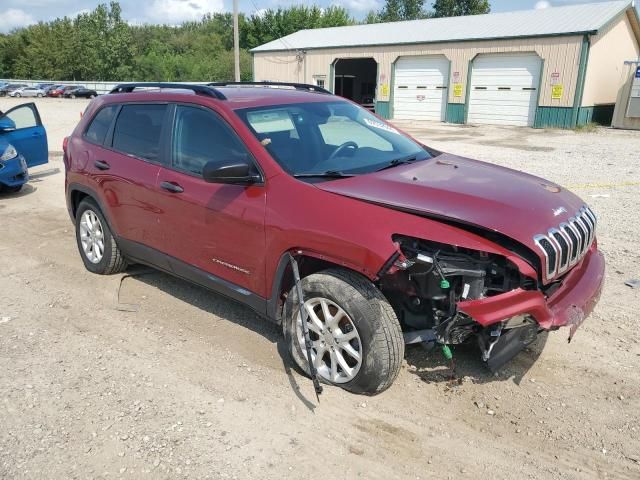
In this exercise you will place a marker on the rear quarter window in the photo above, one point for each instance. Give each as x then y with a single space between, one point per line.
99 126
137 131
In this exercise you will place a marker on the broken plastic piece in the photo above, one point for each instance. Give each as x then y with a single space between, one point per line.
633 283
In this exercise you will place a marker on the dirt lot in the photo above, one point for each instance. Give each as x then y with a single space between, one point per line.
194 385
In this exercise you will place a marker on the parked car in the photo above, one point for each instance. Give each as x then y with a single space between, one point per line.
237 188
80 92
28 92
4 91
59 90
45 86
23 144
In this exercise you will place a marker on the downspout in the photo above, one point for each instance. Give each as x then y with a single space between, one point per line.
582 73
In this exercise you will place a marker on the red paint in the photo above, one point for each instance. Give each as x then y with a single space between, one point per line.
342 221
496 198
580 291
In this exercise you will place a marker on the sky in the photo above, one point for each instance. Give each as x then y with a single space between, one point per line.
19 13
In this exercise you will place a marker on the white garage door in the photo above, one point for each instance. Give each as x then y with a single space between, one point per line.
504 89
420 88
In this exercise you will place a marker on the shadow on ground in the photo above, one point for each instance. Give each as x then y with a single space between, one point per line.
24 191
431 366
222 307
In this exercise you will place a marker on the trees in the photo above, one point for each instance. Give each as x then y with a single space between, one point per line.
455 8
100 45
396 10
272 24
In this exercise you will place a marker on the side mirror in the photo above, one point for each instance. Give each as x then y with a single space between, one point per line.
236 171
6 124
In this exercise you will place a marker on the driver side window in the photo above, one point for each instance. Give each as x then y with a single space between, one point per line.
339 129
200 137
23 117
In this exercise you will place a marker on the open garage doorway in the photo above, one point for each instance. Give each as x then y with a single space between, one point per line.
355 79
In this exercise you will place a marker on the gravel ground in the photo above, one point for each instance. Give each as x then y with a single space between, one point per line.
191 385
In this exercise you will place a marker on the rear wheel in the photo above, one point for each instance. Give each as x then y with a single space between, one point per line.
92 96
72 96
18 95
356 340
98 248
40 95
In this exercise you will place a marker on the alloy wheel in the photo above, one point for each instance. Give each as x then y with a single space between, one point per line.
336 349
92 236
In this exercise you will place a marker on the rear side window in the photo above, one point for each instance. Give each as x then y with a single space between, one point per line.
137 130
199 137
100 124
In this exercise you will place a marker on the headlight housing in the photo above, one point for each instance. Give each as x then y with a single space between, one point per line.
9 153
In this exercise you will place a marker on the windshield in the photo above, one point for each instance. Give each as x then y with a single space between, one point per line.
329 139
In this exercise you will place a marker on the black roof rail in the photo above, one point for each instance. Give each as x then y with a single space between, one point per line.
297 86
201 89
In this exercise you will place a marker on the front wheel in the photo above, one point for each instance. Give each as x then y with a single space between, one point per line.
13 189
356 340
18 95
98 248
72 96
40 95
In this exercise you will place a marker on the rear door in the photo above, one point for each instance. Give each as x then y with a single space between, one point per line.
29 136
124 163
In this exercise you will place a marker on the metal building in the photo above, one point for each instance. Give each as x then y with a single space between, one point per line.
554 67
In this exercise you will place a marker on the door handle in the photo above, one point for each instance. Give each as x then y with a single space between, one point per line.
35 134
172 187
102 165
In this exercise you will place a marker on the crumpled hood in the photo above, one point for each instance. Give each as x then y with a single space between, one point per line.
512 203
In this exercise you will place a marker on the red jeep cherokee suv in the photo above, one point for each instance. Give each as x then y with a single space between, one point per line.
237 186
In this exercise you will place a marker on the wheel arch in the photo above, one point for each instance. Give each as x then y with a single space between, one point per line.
309 263
77 193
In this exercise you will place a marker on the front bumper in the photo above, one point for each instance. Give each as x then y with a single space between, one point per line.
568 306
14 172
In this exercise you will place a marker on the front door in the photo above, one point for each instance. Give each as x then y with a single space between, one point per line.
216 228
29 136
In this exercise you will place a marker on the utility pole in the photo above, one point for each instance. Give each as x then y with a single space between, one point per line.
236 42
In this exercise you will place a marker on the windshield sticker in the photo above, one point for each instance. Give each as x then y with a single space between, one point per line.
381 126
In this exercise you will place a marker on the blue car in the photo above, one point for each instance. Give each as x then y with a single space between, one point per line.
23 144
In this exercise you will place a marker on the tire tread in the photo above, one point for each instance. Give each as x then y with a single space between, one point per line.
387 339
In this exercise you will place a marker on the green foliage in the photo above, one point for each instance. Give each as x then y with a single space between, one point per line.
100 45
273 24
456 8
396 10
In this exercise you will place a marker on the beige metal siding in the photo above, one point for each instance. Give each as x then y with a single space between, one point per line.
559 54
606 72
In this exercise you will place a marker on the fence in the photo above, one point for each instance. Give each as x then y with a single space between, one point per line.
100 87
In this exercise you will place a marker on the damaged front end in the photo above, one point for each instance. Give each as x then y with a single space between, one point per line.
426 282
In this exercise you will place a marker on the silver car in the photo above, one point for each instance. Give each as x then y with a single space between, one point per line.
28 92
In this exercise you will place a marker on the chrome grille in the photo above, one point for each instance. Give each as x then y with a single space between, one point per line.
565 245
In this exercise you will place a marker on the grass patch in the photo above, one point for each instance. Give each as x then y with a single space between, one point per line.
587 128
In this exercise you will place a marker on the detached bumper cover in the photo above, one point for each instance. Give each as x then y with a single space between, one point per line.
569 305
